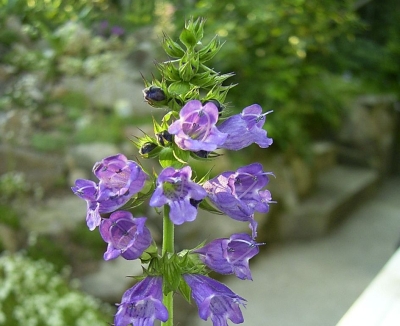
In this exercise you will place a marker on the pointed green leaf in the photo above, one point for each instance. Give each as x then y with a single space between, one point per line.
181 155
185 290
172 48
209 208
178 88
188 37
166 157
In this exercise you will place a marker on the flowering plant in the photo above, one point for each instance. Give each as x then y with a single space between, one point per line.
195 126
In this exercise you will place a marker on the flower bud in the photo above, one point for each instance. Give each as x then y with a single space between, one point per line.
202 154
194 202
164 136
147 148
154 95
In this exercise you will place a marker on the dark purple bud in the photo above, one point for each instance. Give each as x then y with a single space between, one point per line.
202 154
147 148
164 136
194 202
154 94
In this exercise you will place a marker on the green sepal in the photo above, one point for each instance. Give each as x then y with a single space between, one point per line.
210 50
168 71
193 94
150 253
210 157
219 92
172 48
171 273
188 65
178 88
138 278
192 32
185 290
188 37
198 27
186 71
181 155
204 204
168 117
159 128
167 158
175 104
203 79
221 78
141 196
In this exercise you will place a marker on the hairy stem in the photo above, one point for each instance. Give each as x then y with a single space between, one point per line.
168 248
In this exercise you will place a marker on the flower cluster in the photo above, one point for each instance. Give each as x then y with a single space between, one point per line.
120 179
193 128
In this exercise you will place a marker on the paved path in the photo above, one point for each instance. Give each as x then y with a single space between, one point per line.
313 283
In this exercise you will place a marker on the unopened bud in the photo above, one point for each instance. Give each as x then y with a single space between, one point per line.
154 94
201 153
194 202
147 148
164 136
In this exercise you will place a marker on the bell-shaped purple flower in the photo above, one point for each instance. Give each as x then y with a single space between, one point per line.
230 256
238 194
142 304
196 130
175 189
120 179
88 190
126 236
245 129
215 300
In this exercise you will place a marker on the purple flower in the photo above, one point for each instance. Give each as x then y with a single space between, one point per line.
230 256
120 179
142 304
126 236
245 129
117 30
215 299
175 188
238 194
196 130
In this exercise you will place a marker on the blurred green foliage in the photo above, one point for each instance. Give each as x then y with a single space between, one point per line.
301 58
373 54
270 47
44 16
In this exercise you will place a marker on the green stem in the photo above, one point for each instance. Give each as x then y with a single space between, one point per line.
168 248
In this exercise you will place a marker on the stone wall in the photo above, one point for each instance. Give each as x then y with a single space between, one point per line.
368 132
